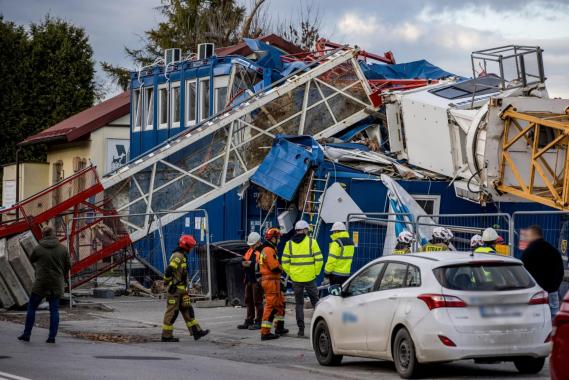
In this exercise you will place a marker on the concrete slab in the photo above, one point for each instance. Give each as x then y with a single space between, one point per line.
20 263
28 242
6 299
10 278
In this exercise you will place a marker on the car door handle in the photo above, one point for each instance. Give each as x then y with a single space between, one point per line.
393 297
362 304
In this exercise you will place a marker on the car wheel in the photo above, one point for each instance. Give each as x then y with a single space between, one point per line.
404 355
529 365
322 345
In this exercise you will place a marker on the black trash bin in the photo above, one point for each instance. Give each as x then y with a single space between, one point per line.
234 280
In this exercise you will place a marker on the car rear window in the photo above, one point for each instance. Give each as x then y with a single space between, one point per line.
484 277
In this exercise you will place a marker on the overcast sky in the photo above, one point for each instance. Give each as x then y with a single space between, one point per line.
441 31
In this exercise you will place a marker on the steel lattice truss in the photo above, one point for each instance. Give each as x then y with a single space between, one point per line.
224 152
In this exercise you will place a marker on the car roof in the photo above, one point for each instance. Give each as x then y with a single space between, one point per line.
445 258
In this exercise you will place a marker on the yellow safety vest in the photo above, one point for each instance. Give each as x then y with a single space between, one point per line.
434 247
302 261
340 254
484 250
402 251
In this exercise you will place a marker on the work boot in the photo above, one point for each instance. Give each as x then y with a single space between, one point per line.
244 326
170 339
24 338
200 334
50 340
255 326
269 336
280 329
300 332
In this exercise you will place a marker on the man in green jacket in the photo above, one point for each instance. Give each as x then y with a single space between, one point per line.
302 261
340 255
52 264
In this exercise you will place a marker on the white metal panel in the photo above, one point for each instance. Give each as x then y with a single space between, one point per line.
427 133
394 132
337 205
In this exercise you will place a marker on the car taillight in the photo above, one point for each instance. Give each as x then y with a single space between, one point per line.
539 298
564 307
446 341
435 301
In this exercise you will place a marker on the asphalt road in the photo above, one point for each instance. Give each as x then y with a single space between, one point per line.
227 353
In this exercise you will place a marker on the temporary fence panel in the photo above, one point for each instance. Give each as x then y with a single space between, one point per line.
370 233
555 226
464 226
154 250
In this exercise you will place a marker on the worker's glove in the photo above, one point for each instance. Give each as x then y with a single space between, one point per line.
283 285
326 281
172 289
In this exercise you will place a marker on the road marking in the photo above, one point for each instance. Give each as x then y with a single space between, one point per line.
7 376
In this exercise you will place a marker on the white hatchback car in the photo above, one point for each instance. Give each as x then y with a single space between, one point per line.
435 307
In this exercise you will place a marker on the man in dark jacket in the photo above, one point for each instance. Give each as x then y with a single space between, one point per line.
543 261
51 262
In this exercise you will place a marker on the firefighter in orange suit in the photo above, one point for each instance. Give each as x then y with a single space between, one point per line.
270 270
176 278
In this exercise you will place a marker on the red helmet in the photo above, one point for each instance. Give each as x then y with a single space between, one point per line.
187 242
272 233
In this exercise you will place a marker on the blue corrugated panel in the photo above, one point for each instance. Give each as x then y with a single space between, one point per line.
284 167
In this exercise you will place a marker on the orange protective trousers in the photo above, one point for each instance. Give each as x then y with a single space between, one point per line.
274 304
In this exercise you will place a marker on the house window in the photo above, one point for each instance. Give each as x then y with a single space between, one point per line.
175 104
430 203
220 98
191 103
163 107
136 111
204 99
149 108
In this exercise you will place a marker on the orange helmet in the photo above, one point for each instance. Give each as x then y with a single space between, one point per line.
272 233
187 242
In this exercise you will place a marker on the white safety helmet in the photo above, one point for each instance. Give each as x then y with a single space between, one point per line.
442 233
405 237
489 235
338 226
253 238
476 241
301 225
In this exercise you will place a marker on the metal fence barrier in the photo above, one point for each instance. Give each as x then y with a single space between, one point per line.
153 251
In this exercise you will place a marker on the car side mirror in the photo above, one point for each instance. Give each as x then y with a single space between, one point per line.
335 290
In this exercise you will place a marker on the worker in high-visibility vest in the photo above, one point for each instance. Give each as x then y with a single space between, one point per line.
404 241
340 255
489 238
476 242
302 261
270 270
178 301
440 240
253 290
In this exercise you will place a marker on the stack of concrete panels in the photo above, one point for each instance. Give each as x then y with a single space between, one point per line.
28 242
20 263
6 299
10 278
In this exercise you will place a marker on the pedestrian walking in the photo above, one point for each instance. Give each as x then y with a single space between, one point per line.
543 261
253 289
52 264
302 261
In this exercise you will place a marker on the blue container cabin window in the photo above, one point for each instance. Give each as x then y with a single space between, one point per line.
191 100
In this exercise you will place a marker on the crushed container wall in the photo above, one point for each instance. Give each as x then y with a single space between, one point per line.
28 242
20 263
6 299
12 282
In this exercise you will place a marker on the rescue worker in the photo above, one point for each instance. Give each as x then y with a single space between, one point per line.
440 240
489 238
253 289
302 261
404 241
271 270
340 255
175 278
476 242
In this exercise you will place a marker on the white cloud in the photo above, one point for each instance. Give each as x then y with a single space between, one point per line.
356 25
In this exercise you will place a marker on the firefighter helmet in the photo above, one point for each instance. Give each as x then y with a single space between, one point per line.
187 242
272 233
